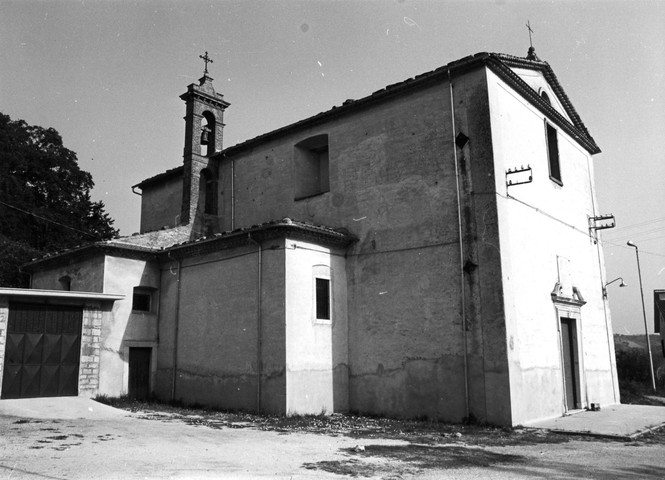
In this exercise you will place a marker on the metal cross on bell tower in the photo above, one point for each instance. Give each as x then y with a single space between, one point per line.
207 60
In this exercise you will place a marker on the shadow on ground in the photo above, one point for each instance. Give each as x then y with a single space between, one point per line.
392 461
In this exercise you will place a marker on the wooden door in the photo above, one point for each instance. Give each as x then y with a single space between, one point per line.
43 351
570 363
139 372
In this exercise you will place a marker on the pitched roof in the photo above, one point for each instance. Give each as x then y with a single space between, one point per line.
176 242
499 63
160 177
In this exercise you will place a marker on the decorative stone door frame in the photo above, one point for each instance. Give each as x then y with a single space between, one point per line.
571 307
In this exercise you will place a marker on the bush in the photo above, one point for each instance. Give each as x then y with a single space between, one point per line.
633 366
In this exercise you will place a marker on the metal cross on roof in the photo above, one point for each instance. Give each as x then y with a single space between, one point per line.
207 60
528 27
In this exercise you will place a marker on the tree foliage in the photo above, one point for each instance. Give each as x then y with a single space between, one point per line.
45 203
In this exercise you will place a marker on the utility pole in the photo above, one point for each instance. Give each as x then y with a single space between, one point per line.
644 313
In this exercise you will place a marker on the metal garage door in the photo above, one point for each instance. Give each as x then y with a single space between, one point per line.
42 351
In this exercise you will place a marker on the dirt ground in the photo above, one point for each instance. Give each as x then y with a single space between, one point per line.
164 443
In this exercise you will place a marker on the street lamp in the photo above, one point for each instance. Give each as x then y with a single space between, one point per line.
644 313
622 284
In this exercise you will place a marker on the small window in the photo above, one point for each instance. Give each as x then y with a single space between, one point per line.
312 167
553 153
323 299
65 283
545 96
142 300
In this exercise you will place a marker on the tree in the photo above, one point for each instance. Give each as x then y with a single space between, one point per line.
45 203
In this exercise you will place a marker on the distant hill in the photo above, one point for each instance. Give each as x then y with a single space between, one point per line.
624 342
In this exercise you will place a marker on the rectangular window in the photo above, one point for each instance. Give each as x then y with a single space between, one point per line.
142 300
311 167
553 153
322 299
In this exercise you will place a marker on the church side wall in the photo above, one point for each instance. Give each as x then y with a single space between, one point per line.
392 184
544 234
212 300
161 204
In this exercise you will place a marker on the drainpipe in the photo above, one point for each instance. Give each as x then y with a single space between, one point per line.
175 336
233 194
259 321
461 245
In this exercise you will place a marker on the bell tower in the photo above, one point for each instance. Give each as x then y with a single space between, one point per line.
204 125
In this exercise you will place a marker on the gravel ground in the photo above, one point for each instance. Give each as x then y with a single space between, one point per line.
160 442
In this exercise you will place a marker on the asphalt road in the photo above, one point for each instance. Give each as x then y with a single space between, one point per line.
126 446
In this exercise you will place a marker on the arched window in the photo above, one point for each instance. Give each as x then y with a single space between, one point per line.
545 96
208 130
208 192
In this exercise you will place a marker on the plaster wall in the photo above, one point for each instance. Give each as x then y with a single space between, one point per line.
4 322
86 274
392 184
487 359
544 237
161 205
316 349
126 327
537 81
217 311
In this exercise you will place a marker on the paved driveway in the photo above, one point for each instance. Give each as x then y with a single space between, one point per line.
107 444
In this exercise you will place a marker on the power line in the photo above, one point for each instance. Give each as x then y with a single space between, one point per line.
640 224
46 219
573 227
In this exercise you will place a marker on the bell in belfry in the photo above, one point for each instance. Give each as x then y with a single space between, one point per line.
205 133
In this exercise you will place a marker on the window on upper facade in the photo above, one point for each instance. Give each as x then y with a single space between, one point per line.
311 167
322 298
142 299
545 96
553 153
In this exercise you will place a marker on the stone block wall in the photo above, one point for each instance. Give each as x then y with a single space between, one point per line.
90 350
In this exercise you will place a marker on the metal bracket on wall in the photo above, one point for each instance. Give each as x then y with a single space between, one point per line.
519 175
600 222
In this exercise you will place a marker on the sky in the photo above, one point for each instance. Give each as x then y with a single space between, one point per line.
108 74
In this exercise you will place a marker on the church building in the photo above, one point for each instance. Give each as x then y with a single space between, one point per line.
430 250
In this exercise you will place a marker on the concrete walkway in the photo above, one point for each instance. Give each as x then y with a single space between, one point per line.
58 408
614 421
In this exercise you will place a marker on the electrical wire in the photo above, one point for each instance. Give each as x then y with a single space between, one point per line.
573 227
46 219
